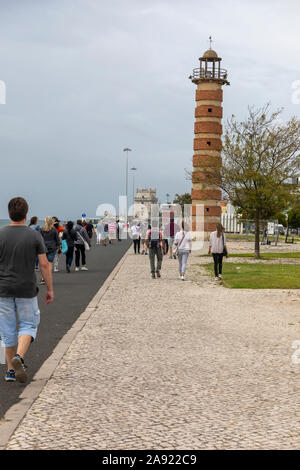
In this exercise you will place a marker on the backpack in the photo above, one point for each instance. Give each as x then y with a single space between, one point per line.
154 238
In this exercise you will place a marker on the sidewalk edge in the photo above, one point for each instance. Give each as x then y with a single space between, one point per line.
17 412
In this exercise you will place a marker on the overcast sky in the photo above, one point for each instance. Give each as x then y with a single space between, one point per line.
86 78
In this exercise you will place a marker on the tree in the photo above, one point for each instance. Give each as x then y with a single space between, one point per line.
294 218
182 199
259 155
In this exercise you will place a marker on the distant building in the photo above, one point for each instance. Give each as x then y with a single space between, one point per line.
142 202
227 208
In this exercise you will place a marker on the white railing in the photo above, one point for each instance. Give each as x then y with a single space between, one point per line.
231 223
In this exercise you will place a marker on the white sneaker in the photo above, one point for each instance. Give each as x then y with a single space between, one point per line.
56 270
182 278
84 268
76 269
220 277
217 278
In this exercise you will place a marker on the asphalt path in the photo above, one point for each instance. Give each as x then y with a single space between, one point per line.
73 292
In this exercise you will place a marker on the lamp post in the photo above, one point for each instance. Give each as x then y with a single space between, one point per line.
168 195
133 169
126 150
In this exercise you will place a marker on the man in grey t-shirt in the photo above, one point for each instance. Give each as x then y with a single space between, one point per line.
19 247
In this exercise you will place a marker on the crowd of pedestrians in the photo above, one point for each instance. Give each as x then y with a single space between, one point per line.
175 241
24 249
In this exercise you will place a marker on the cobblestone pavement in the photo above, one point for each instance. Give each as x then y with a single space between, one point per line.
166 364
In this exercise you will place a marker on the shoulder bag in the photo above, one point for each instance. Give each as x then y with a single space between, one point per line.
177 246
86 245
225 253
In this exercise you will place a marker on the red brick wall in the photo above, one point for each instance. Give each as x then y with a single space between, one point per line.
200 176
208 127
202 144
206 161
209 95
202 111
208 226
205 194
214 211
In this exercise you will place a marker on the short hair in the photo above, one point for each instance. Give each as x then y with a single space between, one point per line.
17 209
79 222
69 225
34 220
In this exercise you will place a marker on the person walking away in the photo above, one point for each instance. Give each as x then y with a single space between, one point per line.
60 230
118 230
111 232
82 237
105 233
183 241
90 230
217 246
99 231
70 236
51 240
135 235
143 235
170 231
19 311
156 246
33 224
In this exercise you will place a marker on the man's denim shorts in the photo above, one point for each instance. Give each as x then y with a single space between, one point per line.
18 311
51 256
171 241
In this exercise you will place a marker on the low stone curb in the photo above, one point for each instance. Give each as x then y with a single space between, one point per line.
17 412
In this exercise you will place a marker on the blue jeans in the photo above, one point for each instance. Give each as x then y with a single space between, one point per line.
182 260
69 256
18 311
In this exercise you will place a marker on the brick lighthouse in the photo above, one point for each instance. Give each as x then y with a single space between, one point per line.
209 78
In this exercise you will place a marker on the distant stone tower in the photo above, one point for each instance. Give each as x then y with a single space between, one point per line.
209 78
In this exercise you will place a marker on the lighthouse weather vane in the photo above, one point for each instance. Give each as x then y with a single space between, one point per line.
210 41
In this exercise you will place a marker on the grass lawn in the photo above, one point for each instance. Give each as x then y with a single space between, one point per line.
272 255
259 276
251 238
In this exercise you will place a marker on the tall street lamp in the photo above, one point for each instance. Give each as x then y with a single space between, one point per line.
126 150
133 169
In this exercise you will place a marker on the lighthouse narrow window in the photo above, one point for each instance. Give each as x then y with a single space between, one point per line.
210 110
208 143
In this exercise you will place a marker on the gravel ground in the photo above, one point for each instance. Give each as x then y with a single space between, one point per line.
166 364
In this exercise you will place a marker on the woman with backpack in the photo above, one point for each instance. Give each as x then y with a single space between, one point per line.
51 239
70 236
217 247
183 244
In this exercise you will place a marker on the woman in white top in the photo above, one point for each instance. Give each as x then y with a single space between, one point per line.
217 244
135 235
184 242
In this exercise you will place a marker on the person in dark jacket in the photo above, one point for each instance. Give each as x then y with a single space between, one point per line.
51 239
33 224
70 236
82 237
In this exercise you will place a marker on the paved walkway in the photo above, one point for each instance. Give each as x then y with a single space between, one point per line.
166 364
